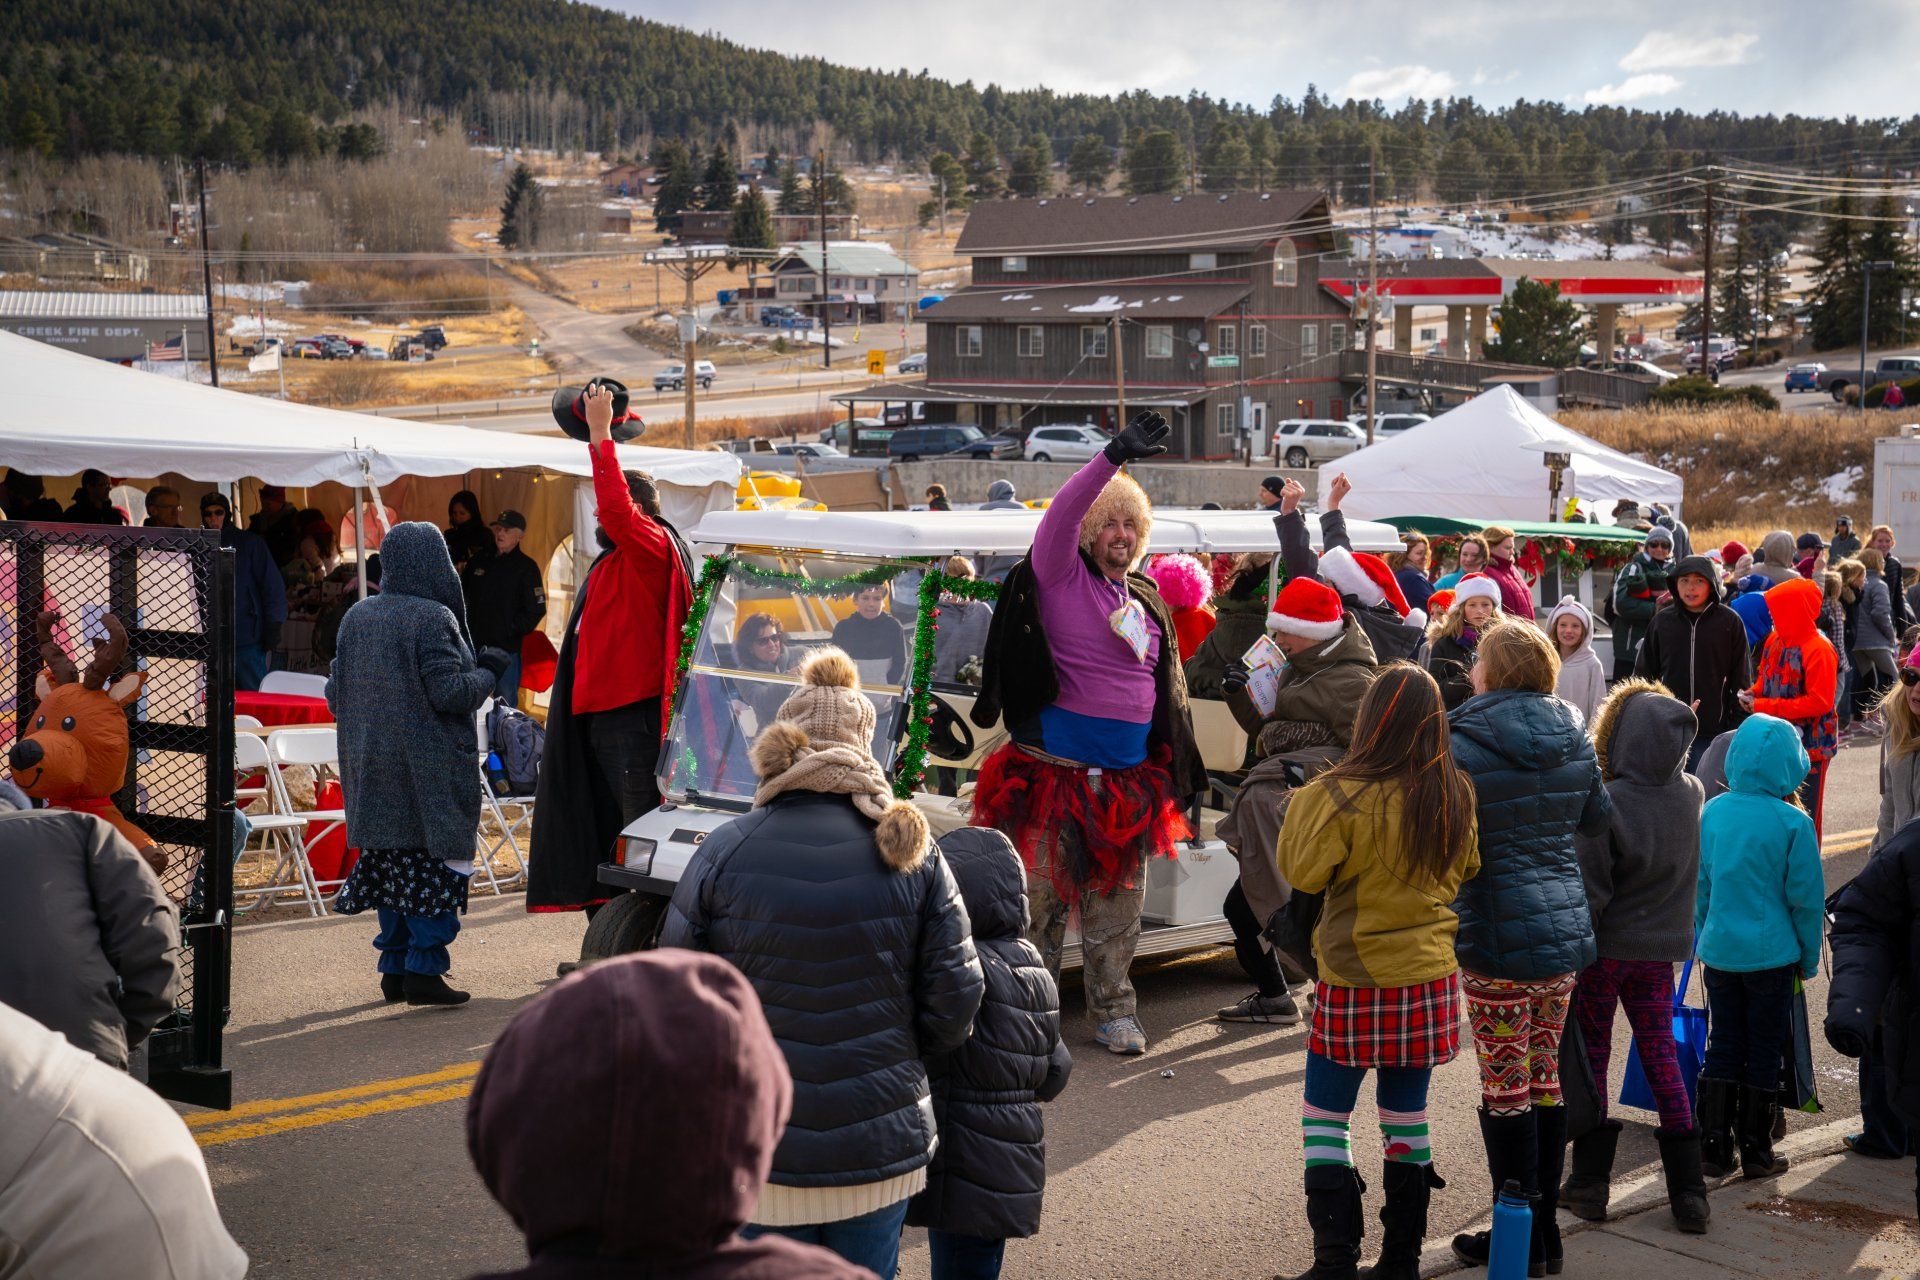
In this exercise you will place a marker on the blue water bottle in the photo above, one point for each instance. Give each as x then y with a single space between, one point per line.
1512 1233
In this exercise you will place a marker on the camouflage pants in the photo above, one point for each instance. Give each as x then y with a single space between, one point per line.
1109 932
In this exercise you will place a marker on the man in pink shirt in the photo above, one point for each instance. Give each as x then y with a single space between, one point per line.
1083 669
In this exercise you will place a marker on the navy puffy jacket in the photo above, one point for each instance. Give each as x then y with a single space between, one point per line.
1524 917
861 969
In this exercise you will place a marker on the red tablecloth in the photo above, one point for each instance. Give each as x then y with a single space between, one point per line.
275 709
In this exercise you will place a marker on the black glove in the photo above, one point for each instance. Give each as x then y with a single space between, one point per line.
270 636
1234 676
494 660
1144 437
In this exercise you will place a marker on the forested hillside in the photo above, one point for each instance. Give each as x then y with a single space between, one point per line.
272 79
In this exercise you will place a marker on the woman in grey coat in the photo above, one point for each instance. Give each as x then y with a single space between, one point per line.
404 689
1873 638
961 634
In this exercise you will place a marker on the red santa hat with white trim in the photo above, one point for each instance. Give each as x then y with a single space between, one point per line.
1308 607
1366 578
1475 586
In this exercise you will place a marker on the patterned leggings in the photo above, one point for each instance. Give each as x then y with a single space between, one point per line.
1516 1034
1645 987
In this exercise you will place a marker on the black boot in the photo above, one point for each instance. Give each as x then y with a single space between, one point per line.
1757 1158
1585 1192
393 988
424 988
1686 1188
1550 1127
1715 1119
1403 1219
1513 1147
1334 1213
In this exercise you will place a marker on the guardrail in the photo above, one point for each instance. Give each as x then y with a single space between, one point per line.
1607 390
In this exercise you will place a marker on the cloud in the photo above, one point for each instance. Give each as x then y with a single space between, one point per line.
1395 83
1659 49
1633 88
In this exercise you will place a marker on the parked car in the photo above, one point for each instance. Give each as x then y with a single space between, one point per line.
1725 351
1805 377
915 363
1836 381
260 346
353 344
805 450
371 352
1304 442
1065 443
410 348
674 376
434 336
1387 424
776 316
910 444
308 349
863 438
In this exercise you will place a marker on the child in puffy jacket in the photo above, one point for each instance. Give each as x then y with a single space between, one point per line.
1757 915
990 1168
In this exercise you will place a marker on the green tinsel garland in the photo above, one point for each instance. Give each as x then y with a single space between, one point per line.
910 769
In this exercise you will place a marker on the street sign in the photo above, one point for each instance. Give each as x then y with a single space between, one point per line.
876 364
1223 362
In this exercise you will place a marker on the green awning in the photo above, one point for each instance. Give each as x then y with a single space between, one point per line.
1450 526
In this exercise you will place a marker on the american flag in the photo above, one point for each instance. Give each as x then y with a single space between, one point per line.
169 350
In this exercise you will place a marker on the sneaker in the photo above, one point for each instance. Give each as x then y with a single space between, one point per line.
1279 1011
1122 1035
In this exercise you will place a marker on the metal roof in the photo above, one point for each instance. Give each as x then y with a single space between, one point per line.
23 305
1019 393
1090 304
1504 268
850 260
1141 224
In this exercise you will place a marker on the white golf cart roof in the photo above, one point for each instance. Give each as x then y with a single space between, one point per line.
939 533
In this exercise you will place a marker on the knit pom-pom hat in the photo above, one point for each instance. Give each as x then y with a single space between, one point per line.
823 742
1183 581
1307 607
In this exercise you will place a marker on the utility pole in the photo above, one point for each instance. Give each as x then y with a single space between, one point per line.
206 279
943 207
689 264
1119 378
1373 305
1706 290
826 304
1866 311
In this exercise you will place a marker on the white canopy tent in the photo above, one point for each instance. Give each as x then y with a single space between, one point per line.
1484 461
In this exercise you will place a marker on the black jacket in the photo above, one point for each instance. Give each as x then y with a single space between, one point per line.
861 969
505 599
1699 655
1897 596
1018 680
991 1169
1392 637
1451 665
1875 935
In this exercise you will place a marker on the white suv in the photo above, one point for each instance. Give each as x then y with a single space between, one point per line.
1300 442
674 376
1065 444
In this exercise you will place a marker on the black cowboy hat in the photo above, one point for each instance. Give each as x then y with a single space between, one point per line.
570 410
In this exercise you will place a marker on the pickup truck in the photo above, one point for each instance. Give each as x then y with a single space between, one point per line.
1890 368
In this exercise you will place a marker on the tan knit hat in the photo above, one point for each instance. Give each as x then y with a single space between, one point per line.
823 742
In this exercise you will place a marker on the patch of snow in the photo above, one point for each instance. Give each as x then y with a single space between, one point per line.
1105 304
1016 297
1135 303
245 326
1175 297
1839 487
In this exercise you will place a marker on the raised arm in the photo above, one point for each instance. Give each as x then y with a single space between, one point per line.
1056 543
631 529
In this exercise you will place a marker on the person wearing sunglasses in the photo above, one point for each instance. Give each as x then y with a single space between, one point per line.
762 648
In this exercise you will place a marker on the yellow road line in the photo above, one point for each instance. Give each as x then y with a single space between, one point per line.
1864 836
331 1115
268 1106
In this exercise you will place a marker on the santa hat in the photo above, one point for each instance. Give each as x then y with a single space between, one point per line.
1440 601
1368 579
1475 586
1307 607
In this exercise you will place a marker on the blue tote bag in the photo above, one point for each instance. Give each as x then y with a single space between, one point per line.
1689 1045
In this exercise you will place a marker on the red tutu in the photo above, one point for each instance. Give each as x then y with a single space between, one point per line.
1089 830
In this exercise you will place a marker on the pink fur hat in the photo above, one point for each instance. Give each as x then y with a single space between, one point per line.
1183 581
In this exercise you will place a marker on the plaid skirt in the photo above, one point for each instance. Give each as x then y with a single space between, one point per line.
1415 1026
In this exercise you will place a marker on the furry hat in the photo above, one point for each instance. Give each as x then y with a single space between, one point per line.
1123 496
1308 607
1183 581
823 742
1368 579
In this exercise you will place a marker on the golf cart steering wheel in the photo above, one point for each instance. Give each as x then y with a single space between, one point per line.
950 737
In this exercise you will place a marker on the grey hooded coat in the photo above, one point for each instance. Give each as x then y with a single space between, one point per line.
404 690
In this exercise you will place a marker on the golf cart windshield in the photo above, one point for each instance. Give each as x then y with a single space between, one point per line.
766 612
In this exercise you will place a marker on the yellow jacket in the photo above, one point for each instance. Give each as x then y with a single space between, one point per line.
1376 929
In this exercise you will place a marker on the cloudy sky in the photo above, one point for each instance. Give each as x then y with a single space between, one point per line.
1838 58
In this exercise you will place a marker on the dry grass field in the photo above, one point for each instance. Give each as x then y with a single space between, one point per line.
486 356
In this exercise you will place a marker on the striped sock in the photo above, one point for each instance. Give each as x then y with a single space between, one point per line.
1404 1138
1327 1135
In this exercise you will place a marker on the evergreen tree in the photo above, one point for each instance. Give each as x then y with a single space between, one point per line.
1156 164
1834 304
770 167
1537 327
1261 147
520 212
1461 177
359 142
677 188
1090 164
290 135
721 182
230 142
949 188
829 184
1032 172
792 197
1884 241
1733 294
752 226
982 163
1226 162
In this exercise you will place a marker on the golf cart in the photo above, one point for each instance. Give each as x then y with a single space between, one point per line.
802 569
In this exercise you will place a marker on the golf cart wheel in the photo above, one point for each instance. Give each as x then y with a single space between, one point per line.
627 923
1041 457
1296 457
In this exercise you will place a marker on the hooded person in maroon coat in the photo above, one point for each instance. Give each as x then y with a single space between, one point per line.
626 1121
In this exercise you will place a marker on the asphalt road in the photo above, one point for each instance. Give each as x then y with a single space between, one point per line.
1774 379
347 1157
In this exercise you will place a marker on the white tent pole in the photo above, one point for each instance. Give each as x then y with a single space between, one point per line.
360 536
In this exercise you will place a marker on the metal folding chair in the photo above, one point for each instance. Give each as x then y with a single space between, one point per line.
507 830
281 829
314 747
307 686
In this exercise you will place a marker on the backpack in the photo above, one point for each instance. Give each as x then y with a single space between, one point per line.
517 740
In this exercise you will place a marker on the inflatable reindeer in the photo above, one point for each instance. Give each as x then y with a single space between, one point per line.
74 752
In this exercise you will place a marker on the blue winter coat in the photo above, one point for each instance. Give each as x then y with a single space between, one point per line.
259 592
404 690
1761 889
1525 917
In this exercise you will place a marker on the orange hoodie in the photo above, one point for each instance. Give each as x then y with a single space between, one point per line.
1799 669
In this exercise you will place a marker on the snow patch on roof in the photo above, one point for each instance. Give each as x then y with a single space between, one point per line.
1105 304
